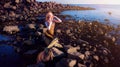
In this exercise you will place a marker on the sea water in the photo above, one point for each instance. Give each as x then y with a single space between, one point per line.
102 13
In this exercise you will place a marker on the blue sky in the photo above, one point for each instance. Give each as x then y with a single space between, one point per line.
85 1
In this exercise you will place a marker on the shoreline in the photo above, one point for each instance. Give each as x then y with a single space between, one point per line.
87 43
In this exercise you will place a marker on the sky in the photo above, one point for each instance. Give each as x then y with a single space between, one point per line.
85 1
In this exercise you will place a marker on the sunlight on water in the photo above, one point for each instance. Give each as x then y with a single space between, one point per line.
103 13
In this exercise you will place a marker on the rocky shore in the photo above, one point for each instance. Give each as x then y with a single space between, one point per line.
86 44
29 11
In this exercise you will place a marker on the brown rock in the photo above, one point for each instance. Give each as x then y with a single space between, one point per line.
72 63
96 57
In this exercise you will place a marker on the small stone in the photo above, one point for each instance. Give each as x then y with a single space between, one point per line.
17 1
30 52
96 57
68 31
31 26
105 52
82 56
106 60
38 33
113 39
87 53
72 63
73 49
58 31
81 65
28 42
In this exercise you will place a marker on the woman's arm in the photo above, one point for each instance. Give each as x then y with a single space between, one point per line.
56 19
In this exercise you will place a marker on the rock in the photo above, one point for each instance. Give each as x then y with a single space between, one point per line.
56 52
96 57
81 65
12 14
11 29
113 39
72 63
106 60
31 26
28 42
29 1
17 1
73 49
68 31
105 52
82 56
7 5
87 53
30 52
38 33
58 31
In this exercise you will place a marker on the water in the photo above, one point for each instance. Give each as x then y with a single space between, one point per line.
4 38
102 13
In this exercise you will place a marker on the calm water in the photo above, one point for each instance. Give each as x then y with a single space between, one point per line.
103 13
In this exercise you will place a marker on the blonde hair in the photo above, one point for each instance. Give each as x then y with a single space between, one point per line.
48 15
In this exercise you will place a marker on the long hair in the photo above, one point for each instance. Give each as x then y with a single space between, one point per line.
49 15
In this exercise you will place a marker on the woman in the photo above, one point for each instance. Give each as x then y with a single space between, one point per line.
50 23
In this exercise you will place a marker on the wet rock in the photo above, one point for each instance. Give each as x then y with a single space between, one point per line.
38 33
56 52
87 53
96 57
28 42
11 29
81 65
82 56
31 26
72 63
58 31
73 49
30 52
17 1
67 31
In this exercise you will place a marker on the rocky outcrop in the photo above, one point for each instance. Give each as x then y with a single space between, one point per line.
29 11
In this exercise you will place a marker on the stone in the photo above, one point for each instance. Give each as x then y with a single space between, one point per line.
105 52
96 57
82 56
68 31
38 33
81 65
28 42
11 29
31 26
58 31
87 53
30 52
56 52
72 50
72 63
113 39
17 1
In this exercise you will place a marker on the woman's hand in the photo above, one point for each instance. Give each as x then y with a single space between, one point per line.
56 19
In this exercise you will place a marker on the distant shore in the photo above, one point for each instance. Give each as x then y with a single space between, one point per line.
87 44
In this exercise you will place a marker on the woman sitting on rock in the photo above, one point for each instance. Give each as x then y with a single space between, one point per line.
50 23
